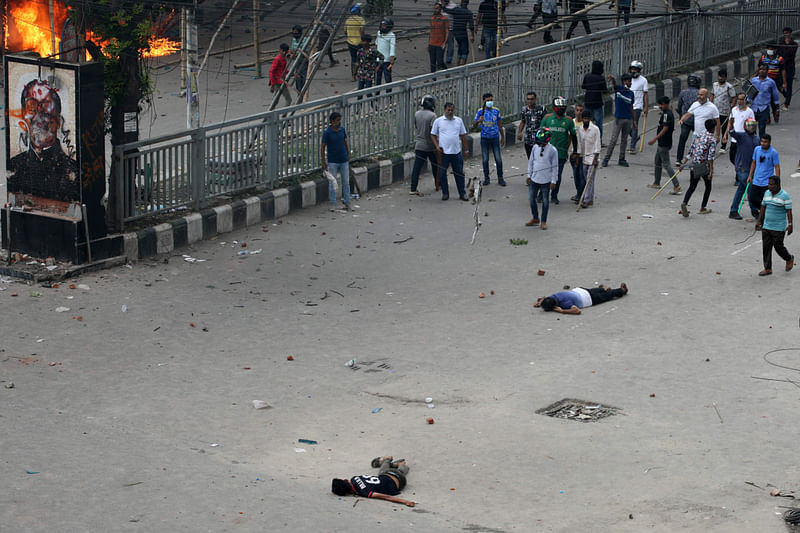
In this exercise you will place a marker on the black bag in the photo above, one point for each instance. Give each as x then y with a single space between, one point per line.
700 169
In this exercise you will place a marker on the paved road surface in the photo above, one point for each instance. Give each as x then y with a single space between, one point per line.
120 433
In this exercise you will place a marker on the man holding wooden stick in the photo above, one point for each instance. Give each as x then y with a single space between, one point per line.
589 148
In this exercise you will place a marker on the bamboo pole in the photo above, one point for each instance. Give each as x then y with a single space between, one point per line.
552 24
256 38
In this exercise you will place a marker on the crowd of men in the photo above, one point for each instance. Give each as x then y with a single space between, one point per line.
451 37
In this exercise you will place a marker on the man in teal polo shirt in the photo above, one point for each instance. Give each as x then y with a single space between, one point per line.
562 131
776 208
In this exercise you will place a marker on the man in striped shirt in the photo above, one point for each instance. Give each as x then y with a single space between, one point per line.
776 209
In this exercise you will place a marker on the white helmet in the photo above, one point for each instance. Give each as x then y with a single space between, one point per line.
638 66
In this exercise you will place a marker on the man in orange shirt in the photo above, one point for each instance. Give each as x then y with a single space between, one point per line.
440 28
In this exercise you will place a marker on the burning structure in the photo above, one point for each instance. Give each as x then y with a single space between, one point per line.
44 27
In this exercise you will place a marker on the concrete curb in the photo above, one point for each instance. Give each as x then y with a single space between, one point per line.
167 237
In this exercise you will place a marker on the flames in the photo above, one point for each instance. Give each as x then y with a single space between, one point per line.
28 29
29 26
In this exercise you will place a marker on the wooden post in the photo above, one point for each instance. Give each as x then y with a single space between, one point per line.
500 14
256 39
192 89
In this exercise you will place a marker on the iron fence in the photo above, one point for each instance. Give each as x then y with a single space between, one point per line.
193 167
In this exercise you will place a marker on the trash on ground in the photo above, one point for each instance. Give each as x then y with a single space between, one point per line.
61 309
377 409
307 441
261 404
518 242
647 216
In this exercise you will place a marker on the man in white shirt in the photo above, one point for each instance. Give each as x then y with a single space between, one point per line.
385 43
702 110
722 95
739 115
449 137
589 148
640 100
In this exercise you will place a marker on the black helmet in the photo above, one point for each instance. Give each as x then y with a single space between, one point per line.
389 23
693 81
428 102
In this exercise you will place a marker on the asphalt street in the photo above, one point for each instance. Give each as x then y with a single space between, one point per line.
132 409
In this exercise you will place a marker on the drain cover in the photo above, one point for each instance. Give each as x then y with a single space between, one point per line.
579 410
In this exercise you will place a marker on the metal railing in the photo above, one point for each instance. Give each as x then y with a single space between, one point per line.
188 169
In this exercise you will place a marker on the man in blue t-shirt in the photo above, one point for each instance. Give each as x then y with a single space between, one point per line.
623 118
492 137
334 140
776 208
572 301
764 164
386 485
766 98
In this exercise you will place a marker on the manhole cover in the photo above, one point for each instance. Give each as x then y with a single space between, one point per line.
580 410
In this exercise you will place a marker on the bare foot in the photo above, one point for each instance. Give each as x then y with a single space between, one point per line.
624 288
544 225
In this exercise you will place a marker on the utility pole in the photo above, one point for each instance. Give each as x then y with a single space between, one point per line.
53 50
192 92
184 16
256 38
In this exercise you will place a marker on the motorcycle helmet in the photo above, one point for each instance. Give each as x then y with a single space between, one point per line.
542 136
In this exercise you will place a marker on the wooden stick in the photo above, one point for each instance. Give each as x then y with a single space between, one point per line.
667 183
583 194
643 131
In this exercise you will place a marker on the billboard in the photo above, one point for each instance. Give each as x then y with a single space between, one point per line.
55 137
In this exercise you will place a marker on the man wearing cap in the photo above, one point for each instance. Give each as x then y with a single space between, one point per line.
623 118
354 29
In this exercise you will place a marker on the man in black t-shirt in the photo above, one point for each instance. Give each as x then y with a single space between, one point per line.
666 125
390 481
595 86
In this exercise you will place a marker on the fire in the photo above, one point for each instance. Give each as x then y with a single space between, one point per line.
161 46
28 28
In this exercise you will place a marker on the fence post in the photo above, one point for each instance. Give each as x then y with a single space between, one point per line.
703 21
462 98
271 149
405 111
569 72
119 184
197 170
517 90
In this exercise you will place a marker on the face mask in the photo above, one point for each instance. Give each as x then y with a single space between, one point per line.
489 104
770 52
